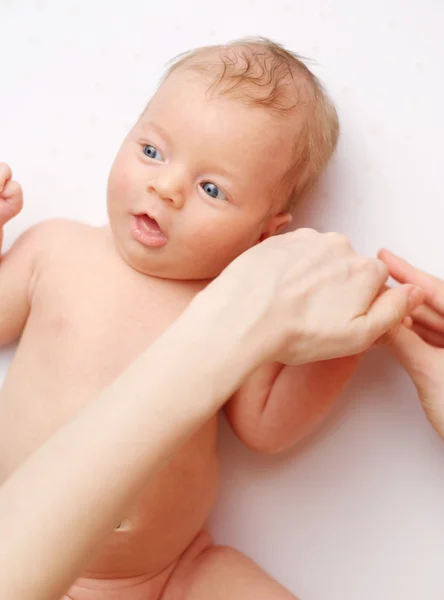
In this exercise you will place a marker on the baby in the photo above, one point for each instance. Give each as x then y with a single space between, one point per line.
233 137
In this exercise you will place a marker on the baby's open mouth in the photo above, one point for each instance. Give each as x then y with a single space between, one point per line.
147 231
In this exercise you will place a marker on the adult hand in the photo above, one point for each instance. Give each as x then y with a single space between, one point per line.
306 296
419 345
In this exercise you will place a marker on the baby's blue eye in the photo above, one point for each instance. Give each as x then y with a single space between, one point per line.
152 152
213 191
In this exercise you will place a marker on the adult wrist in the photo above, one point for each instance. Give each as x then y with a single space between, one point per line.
224 340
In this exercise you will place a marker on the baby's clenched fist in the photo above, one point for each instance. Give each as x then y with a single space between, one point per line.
11 195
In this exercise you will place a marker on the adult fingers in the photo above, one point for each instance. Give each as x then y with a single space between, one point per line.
388 311
404 272
425 315
433 338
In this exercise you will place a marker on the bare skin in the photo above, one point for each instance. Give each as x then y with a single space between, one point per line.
419 344
87 301
62 356
80 504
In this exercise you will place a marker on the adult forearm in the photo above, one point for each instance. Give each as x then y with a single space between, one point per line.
77 485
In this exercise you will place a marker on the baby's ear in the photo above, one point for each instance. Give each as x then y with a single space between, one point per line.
274 223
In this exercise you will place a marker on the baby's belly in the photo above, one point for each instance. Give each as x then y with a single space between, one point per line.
167 515
164 518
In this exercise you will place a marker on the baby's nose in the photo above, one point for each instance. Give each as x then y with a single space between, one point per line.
169 186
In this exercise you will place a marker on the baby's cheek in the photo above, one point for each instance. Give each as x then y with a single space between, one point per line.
115 186
122 177
225 248
119 184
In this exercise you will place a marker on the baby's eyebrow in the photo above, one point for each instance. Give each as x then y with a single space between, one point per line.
157 128
229 173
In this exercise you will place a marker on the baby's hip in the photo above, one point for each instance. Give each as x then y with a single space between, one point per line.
142 587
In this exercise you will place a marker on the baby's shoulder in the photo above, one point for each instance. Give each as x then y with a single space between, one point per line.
57 246
56 231
37 240
47 238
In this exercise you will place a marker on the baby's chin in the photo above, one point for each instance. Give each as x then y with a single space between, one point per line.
158 263
169 261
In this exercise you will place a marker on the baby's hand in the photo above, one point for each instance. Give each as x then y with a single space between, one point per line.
419 345
11 196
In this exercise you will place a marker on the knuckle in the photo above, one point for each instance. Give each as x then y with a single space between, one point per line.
358 263
382 268
338 239
306 232
375 268
353 265
372 267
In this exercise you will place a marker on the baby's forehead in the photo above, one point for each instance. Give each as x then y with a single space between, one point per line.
182 103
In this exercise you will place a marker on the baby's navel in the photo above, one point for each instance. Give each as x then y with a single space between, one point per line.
122 526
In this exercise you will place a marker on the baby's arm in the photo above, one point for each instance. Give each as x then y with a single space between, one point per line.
279 405
16 265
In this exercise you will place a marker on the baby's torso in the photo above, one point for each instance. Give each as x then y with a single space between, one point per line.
91 316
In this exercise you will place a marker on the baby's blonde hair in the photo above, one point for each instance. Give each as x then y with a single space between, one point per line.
263 73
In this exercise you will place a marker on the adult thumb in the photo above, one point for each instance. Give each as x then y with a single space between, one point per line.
391 307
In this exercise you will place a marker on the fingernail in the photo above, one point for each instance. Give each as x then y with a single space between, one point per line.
415 298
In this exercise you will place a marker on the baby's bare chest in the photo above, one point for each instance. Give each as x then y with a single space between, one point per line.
88 323
93 326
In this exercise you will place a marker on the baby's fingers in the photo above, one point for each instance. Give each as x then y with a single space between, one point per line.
404 272
11 201
5 175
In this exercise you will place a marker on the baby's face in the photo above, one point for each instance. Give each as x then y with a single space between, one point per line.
194 183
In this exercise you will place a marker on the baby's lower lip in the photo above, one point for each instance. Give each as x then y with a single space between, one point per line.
147 231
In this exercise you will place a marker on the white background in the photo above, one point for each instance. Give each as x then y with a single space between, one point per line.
357 513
